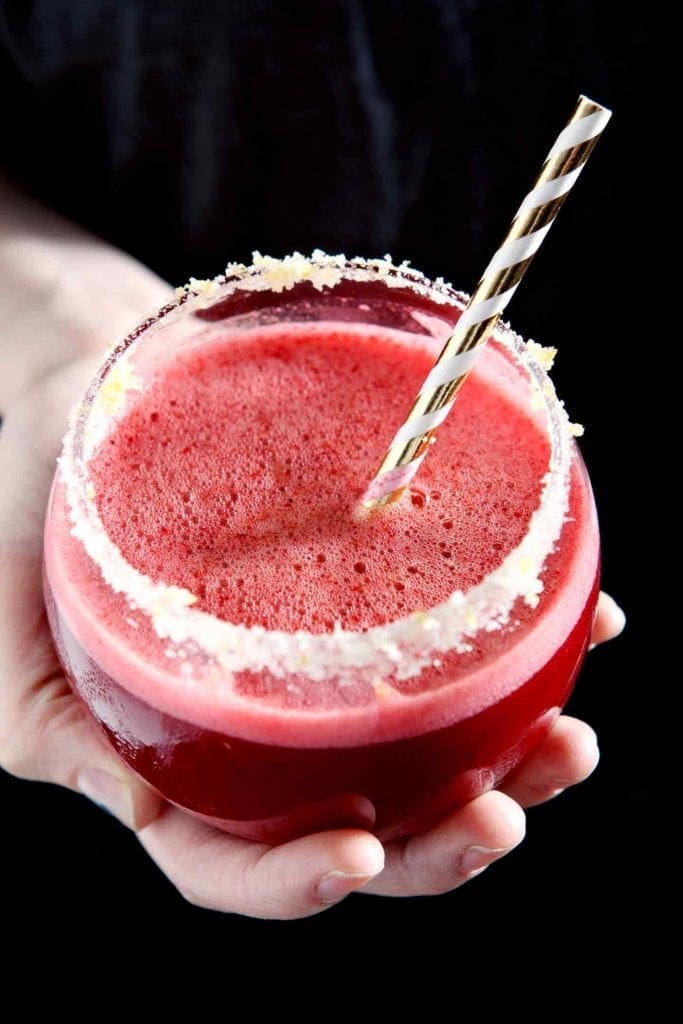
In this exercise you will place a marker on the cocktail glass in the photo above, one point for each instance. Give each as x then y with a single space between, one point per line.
202 708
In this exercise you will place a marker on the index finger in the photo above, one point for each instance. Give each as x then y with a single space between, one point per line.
218 871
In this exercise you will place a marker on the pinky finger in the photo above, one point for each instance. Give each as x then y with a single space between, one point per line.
566 757
609 620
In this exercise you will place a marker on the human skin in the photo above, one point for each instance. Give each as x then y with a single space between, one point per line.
63 296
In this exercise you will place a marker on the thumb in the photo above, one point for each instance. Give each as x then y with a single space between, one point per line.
45 732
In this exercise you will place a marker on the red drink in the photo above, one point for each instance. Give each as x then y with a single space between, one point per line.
259 652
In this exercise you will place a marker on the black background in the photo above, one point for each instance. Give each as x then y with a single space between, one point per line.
187 159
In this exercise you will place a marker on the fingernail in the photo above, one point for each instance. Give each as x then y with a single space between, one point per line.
337 884
476 858
109 792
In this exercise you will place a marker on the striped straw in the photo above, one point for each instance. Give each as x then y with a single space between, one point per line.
533 220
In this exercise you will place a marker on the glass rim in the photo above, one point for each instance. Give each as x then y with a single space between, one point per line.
400 648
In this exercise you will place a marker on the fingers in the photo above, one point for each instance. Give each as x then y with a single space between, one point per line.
453 852
566 757
609 620
570 752
220 872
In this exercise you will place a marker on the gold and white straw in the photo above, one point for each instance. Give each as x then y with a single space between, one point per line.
533 220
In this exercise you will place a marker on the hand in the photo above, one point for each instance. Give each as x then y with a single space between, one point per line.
64 294
308 875
46 735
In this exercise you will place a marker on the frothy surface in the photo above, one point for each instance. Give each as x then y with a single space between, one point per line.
237 476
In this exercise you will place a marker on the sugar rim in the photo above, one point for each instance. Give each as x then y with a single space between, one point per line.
399 649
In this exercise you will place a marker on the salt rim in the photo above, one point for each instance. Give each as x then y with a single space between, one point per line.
400 649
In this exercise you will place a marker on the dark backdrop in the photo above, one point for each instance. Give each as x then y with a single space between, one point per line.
192 133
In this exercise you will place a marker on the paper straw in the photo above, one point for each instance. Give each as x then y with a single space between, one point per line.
531 224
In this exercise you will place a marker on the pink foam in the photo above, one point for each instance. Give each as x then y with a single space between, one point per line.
238 475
